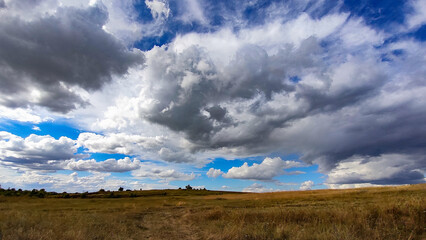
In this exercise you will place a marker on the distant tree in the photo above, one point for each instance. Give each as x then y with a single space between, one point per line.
188 187
102 190
33 192
41 194
120 189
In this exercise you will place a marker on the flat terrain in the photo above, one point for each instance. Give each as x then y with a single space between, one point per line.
367 213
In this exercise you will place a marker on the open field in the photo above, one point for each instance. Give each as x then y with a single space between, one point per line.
367 213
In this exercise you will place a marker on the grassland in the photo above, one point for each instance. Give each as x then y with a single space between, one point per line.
367 213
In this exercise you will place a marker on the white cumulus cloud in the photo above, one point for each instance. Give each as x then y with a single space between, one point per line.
266 170
214 173
307 185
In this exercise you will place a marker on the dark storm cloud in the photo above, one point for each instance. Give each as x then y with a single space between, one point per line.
191 84
216 112
346 103
252 76
56 52
2 4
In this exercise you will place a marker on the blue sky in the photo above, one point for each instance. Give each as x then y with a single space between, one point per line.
228 95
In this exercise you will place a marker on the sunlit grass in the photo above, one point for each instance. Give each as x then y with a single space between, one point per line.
368 213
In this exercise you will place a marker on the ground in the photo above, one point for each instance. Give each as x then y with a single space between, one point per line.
366 213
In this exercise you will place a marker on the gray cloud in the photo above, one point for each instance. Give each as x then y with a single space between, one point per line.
347 101
41 61
328 88
193 84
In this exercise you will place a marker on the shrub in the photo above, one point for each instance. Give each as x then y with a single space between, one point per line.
84 195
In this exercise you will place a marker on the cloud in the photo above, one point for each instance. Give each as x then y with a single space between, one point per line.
20 114
383 169
119 143
298 78
61 182
266 170
51 60
418 16
214 173
158 147
159 8
188 97
192 11
232 93
166 174
109 165
258 188
307 185
123 21
36 151
72 182
348 186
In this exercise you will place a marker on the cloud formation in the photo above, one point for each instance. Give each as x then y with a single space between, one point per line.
266 170
166 174
298 77
272 88
159 9
307 185
383 169
50 59
214 173
258 188
158 147
109 165
35 151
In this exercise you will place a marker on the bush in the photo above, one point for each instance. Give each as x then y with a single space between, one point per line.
84 195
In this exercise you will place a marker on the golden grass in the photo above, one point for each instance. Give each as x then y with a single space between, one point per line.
367 213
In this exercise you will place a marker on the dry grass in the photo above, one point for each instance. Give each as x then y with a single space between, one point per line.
369 213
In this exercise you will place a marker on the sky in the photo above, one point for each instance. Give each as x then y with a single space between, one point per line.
252 96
